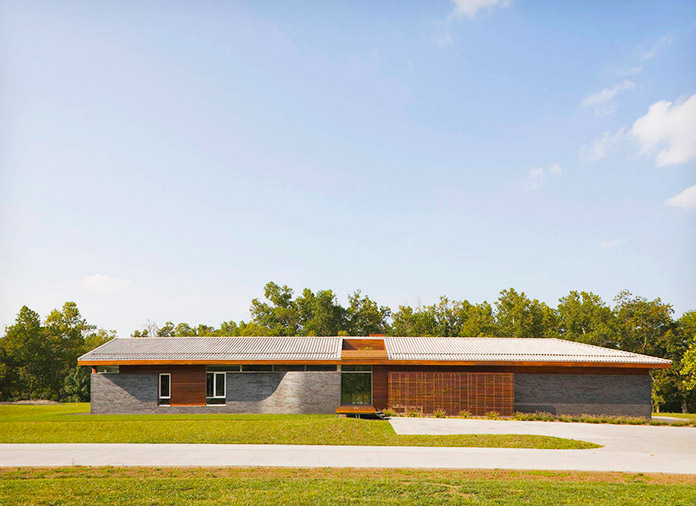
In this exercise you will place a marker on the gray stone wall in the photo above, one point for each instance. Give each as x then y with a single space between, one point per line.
123 393
576 394
278 392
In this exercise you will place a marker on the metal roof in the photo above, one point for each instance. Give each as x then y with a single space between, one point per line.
504 349
218 348
442 349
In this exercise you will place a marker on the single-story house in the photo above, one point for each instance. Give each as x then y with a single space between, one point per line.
346 374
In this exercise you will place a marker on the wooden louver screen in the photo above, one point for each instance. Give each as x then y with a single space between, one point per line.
477 393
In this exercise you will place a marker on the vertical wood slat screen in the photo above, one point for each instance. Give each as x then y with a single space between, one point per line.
453 392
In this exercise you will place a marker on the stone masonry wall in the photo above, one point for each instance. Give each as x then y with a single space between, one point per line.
576 394
281 392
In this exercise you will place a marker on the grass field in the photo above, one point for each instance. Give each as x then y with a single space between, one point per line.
337 486
69 423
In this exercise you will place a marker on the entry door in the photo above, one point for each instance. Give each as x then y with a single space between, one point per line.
356 389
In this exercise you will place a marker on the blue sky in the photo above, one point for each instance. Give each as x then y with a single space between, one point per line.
164 160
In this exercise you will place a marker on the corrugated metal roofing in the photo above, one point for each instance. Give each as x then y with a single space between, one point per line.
462 349
219 348
492 349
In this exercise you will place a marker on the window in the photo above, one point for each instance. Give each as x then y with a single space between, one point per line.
320 368
215 388
224 368
107 369
165 389
356 385
288 367
257 368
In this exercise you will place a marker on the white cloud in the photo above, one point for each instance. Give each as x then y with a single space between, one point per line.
602 100
612 244
631 71
443 40
671 127
105 284
470 8
535 177
685 199
665 41
599 148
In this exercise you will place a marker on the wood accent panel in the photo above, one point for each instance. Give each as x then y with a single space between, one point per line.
361 344
453 392
188 381
363 355
380 386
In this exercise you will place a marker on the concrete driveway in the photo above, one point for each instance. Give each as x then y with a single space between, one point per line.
637 448
627 448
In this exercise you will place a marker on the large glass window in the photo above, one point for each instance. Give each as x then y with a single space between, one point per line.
215 387
165 389
356 385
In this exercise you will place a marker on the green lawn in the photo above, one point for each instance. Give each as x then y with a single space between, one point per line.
250 486
70 423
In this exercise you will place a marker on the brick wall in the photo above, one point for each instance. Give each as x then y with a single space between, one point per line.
281 392
624 395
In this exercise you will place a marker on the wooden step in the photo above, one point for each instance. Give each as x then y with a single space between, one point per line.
359 410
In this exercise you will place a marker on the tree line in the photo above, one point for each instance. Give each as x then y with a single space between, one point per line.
38 358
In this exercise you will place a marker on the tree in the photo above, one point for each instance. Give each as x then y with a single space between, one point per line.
480 321
280 314
76 385
365 317
519 316
585 318
643 325
33 363
320 314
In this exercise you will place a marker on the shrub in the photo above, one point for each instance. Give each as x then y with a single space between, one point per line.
413 413
493 415
439 413
388 412
465 414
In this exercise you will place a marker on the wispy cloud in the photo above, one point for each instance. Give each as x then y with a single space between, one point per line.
464 8
665 41
104 283
535 177
670 126
612 244
599 148
602 101
685 200
630 71
470 8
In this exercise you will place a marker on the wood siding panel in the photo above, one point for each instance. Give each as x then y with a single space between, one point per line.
380 387
427 391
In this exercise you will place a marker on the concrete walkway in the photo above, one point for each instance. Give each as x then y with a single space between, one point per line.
627 448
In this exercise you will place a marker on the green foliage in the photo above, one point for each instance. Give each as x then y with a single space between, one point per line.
38 358
76 385
585 318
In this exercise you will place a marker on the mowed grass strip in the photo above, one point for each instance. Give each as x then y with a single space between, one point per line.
70 424
336 486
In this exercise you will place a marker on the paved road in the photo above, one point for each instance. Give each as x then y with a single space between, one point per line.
627 448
